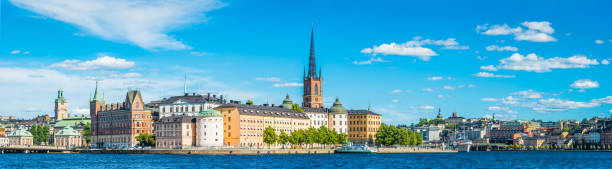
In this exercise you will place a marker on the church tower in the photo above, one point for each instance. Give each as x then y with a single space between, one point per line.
95 104
61 110
312 96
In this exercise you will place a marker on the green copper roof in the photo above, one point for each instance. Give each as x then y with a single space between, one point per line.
72 122
60 96
287 103
97 94
210 113
68 131
337 108
20 133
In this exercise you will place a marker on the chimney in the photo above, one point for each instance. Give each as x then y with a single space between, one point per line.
214 96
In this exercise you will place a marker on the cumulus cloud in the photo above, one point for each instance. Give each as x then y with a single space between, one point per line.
195 53
269 79
435 78
487 74
428 90
531 31
585 84
102 62
141 22
501 48
555 104
414 48
599 42
449 87
395 91
287 85
530 94
15 52
395 101
426 107
605 62
534 63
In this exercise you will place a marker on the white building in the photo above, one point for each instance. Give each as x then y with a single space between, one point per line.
318 116
338 118
4 141
210 128
429 134
189 105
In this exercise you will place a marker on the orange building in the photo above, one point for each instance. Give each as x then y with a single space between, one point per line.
363 125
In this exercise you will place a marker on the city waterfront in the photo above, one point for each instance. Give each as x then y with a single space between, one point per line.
499 159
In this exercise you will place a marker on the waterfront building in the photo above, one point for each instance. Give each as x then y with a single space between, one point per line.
188 104
338 118
477 135
21 137
176 132
312 97
76 122
4 141
117 124
429 134
210 128
593 138
68 137
61 109
363 125
318 116
244 123
498 135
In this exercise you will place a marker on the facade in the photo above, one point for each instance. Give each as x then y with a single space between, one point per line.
244 124
312 97
318 116
176 132
210 128
76 123
188 104
21 137
117 124
455 119
4 141
61 110
363 125
593 138
497 135
338 118
429 134
68 137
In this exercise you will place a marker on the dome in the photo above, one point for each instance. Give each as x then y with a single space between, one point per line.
20 133
68 131
337 108
287 103
210 113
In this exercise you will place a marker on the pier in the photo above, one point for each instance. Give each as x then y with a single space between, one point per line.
34 149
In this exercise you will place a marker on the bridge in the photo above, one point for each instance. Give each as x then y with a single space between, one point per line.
33 149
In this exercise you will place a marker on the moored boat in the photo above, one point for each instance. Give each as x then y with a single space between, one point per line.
350 148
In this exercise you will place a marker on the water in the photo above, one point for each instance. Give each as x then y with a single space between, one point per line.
434 160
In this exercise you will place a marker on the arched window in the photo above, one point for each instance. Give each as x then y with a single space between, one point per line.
316 89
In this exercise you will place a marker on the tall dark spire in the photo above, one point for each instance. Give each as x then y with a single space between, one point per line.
312 66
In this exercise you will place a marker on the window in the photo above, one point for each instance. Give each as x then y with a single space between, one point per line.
316 89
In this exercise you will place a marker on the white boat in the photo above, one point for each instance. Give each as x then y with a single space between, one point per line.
464 145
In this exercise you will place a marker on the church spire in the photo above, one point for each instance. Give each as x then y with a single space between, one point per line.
312 66
97 94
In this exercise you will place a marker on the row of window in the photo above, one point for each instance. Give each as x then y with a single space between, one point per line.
370 129
361 122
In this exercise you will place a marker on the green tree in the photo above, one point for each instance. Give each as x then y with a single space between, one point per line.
297 108
413 140
566 130
283 138
269 136
249 102
585 121
87 132
419 138
311 136
40 134
342 138
35 134
145 139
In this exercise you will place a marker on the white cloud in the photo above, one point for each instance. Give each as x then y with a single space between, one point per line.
428 90
369 62
607 100
269 79
605 62
287 85
497 108
599 42
413 48
471 86
194 53
440 96
534 63
489 68
529 94
426 107
396 91
489 99
535 31
435 78
126 75
395 101
140 22
585 84
487 74
15 52
449 87
554 104
102 62
501 48
26 52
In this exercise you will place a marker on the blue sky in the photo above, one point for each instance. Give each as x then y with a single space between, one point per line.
518 59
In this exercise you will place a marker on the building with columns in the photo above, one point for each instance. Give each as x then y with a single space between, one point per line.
21 137
68 137
61 109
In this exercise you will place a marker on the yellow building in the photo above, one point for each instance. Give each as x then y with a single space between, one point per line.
244 124
363 125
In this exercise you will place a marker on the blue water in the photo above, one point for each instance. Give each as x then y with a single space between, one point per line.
435 160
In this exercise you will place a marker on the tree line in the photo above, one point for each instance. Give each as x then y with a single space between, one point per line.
391 135
41 134
323 136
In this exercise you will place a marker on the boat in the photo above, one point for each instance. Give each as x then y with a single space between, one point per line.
464 145
351 148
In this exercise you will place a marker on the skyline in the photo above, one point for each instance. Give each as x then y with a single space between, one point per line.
548 62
